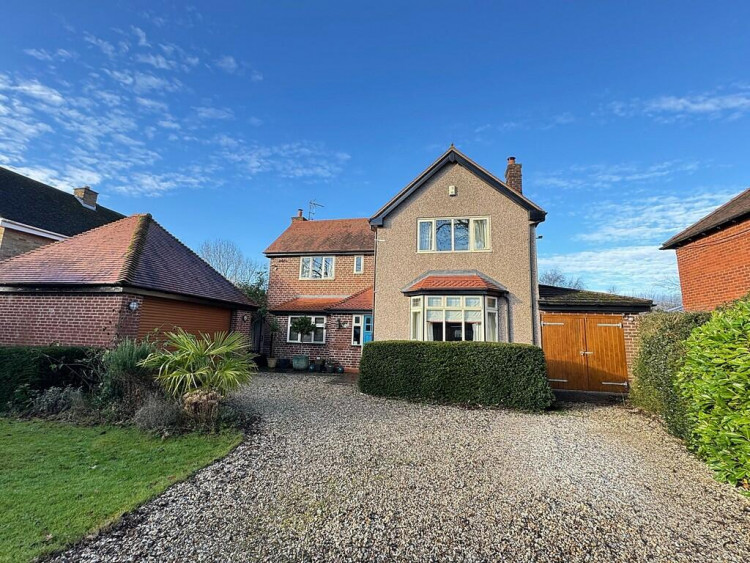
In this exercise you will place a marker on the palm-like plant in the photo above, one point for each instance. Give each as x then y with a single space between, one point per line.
218 363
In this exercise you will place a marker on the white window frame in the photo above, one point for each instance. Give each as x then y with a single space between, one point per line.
358 321
361 259
471 219
318 325
419 304
323 258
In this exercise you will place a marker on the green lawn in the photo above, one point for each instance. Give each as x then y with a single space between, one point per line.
60 482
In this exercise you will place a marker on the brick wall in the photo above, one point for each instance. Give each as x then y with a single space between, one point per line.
79 320
284 283
237 324
338 346
715 269
14 242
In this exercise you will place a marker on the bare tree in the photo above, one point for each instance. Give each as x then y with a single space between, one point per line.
559 279
227 259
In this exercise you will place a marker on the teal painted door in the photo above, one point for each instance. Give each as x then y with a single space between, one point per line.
367 329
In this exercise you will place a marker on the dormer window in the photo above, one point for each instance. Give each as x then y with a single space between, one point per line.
316 268
470 234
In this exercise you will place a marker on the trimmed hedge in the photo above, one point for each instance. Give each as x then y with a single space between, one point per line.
474 373
40 368
661 354
715 384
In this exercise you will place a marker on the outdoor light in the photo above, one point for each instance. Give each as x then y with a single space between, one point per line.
343 324
244 318
133 306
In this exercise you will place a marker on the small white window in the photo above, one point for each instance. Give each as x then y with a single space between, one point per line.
453 302
357 330
317 336
316 268
359 264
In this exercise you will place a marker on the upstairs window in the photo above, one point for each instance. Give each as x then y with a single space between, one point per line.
359 264
316 268
471 234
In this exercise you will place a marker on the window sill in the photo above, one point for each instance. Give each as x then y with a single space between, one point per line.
454 251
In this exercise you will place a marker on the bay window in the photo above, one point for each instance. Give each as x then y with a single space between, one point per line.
317 336
452 318
471 234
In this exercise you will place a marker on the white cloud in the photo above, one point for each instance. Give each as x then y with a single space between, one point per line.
204 112
256 76
603 176
33 89
40 54
301 160
156 61
713 104
104 46
228 64
151 105
141 35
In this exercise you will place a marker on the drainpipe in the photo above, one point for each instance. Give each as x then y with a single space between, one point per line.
534 285
374 280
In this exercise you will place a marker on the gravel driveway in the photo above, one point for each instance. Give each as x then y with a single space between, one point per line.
335 475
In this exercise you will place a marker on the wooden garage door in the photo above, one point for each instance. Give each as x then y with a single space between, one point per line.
585 352
166 314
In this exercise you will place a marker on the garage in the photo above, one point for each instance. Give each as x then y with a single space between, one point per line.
588 338
161 315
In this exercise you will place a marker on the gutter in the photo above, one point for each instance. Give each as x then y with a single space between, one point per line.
23 228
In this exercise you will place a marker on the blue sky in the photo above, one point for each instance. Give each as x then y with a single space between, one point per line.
631 119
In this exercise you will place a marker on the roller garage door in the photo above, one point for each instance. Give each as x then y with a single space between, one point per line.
585 352
166 314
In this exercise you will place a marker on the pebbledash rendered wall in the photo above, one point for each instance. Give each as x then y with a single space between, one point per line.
78 319
715 269
337 348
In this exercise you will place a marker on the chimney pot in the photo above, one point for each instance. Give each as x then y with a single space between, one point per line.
299 216
513 176
86 195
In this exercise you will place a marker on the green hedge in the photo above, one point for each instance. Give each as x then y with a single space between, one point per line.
661 354
715 385
40 368
477 373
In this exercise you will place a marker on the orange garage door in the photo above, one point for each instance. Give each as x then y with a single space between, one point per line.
166 314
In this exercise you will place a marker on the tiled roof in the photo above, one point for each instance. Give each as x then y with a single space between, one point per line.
552 297
361 301
332 236
735 209
307 305
33 203
453 281
132 252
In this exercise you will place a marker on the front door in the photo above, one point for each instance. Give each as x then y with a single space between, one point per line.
585 352
367 329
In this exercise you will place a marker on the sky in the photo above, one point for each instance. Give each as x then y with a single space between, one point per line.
631 119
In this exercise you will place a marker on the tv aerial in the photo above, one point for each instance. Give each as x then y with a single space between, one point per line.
313 206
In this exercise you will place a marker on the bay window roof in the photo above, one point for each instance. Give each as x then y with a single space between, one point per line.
464 281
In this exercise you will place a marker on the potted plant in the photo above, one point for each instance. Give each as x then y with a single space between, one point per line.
273 328
303 326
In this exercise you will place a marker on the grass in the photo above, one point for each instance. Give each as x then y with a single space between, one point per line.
60 482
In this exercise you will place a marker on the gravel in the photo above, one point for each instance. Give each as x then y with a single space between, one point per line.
334 475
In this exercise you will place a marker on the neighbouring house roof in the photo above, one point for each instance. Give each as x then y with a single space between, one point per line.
333 236
735 210
450 157
360 301
553 298
470 280
134 252
32 203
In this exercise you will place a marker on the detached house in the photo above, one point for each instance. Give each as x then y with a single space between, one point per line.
33 214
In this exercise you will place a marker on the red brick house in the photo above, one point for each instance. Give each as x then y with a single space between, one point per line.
713 256
452 256
33 214
125 279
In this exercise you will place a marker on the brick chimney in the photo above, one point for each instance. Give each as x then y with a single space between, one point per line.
299 216
513 175
86 195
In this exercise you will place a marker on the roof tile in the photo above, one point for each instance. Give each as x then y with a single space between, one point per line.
332 236
459 281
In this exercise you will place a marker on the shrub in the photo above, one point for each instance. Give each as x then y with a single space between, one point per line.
715 384
202 363
158 414
661 353
56 400
475 373
123 378
38 368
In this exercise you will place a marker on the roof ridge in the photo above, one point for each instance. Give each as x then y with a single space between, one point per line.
191 251
135 249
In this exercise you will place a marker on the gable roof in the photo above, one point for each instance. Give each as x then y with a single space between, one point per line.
464 280
132 252
555 298
33 203
736 209
451 157
335 236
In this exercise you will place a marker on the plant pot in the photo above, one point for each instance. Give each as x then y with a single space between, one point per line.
271 363
300 362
